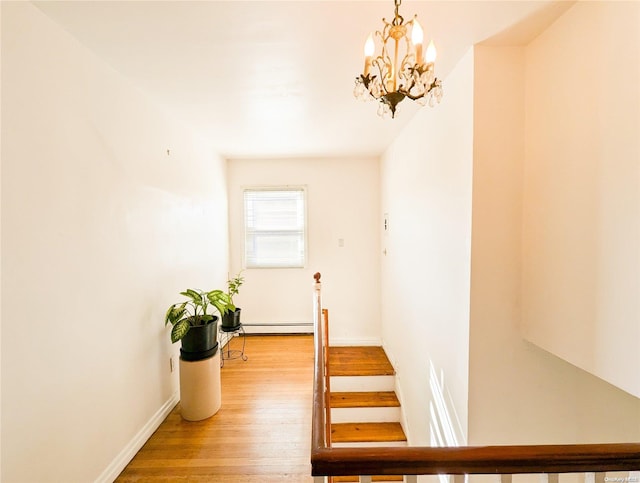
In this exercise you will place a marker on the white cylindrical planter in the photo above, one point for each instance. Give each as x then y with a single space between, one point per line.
200 394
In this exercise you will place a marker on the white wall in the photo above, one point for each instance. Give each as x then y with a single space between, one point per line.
426 191
101 230
582 191
518 393
342 203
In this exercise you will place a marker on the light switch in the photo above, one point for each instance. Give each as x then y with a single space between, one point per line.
341 242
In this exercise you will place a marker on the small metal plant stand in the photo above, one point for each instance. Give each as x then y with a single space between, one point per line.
227 353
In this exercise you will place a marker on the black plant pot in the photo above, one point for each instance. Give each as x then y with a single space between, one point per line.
200 342
231 320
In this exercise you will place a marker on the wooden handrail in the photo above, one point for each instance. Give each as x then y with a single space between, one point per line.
327 377
319 423
412 460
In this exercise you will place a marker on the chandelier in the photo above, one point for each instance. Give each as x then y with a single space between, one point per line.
388 78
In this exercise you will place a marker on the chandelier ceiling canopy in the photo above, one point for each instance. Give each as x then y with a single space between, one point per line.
400 68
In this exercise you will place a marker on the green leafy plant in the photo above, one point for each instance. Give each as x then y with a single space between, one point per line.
233 286
196 310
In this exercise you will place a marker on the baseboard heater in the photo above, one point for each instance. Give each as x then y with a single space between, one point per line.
268 328
278 327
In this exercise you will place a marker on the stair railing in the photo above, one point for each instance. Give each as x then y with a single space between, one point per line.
326 461
327 378
323 336
322 381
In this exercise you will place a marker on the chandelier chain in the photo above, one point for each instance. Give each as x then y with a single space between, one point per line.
397 19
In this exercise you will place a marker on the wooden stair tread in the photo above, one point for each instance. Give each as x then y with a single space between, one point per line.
359 361
364 399
367 432
340 479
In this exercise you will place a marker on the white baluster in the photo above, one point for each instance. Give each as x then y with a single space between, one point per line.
594 477
414 478
365 478
459 478
319 479
549 478
506 478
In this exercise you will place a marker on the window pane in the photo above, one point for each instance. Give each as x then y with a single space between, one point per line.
274 228
275 210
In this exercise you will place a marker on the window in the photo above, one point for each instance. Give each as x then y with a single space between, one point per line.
274 221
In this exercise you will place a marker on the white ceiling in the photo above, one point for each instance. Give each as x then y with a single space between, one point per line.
275 78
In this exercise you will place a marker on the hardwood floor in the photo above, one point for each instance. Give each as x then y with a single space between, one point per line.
261 434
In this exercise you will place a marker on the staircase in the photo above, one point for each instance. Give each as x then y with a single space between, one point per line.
355 370
365 410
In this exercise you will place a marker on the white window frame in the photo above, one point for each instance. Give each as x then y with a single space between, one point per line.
296 188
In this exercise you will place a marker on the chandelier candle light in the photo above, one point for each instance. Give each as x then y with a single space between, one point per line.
388 79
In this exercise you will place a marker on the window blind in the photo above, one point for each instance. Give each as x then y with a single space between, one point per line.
274 228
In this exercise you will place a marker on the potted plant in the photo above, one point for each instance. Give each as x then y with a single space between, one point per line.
231 319
194 324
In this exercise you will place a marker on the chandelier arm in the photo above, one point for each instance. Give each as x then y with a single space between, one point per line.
426 92
410 55
382 64
383 41
384 37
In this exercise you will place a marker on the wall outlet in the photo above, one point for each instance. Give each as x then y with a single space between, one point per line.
172 363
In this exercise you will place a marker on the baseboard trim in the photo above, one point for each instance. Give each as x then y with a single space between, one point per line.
344 342
123 458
